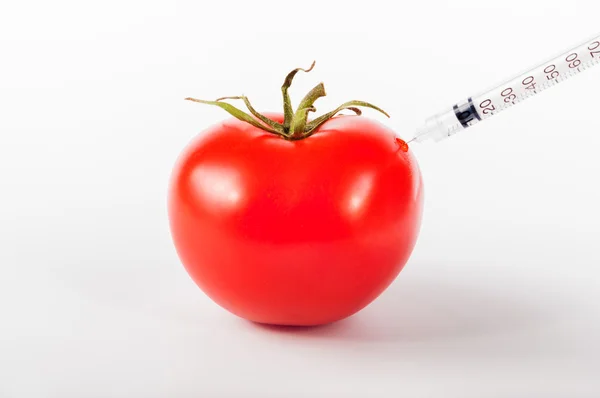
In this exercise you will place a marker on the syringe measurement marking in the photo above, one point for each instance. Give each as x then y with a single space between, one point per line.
515 99
595 46
472 110
553 76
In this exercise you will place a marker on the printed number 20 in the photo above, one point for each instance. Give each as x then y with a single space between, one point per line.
594 49
487 106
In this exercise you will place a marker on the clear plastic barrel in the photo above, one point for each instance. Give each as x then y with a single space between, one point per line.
473 110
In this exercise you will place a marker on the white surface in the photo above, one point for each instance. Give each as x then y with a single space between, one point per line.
500 298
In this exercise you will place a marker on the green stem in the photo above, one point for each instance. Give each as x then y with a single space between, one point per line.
309 99
237 113
295 125
306 105
288 112
312 126
272 123
299 122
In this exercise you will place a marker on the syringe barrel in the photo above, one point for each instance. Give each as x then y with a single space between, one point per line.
439 127
490 102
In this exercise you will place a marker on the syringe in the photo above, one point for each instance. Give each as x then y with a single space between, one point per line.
471 111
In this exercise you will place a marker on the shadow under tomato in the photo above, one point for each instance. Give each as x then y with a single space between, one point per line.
429 310
330 329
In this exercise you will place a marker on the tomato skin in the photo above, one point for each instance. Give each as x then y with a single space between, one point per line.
302 232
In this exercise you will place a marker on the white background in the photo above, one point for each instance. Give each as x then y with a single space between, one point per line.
500 298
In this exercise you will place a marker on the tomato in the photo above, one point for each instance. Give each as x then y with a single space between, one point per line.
295 231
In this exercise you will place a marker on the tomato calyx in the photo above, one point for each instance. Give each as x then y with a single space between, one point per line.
295 125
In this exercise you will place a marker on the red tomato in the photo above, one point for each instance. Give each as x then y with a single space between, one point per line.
295 232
